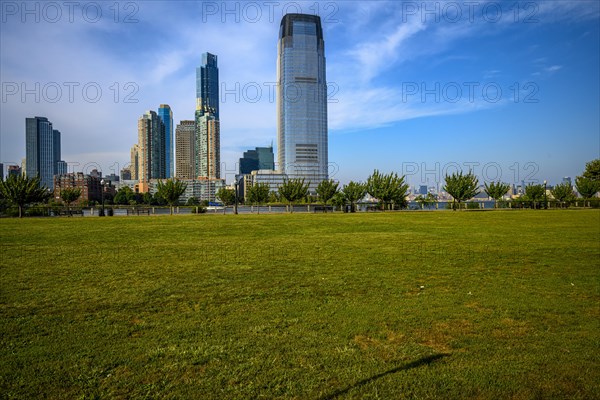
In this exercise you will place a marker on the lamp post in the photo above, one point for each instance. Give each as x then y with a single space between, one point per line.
101 213
235 208
545 196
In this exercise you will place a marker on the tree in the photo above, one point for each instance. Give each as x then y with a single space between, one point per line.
125 195
171 191
563 192
339 200
192 201
426 201
326 190
69 195
592 170
461 187
293 190
534 193
147 198
353 192
227 197
388 189
21 191
496 190
586 187
259 193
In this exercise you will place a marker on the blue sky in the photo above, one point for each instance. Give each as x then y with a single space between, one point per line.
508 89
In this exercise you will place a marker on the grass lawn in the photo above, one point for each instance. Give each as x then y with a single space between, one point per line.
488 305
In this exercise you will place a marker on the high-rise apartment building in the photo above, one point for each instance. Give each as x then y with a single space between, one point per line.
166 116
207 85
134 166
42 150
208 146
302 99
185 146
151 147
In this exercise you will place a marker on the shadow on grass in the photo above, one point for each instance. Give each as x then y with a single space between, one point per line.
415 364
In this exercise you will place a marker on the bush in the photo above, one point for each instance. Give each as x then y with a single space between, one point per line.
37 210
198 210
473 205
503 204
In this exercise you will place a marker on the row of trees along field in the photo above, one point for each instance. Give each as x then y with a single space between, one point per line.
390 191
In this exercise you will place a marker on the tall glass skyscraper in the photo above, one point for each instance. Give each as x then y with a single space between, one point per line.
166 116
207 85
208 135
42 150
302 99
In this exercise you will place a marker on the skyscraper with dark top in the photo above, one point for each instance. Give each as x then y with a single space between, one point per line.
207 85
302 99
208 133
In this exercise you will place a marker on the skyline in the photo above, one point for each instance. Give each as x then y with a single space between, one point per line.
398 111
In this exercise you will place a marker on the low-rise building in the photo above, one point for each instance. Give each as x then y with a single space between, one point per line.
200 189
272 178
91 189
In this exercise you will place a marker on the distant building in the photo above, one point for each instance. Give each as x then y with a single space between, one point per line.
14 170
208 146
42 150
62 168
185 145
96 174
125 174
113 178
166 116
261 158
151 147
91 189
200 189
272 178
134 166
423 190
567 179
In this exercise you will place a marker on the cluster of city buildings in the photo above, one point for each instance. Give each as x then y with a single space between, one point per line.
194 156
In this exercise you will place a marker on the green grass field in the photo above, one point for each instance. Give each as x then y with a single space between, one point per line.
381 305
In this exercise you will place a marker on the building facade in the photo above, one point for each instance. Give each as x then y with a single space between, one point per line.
166 116
42 150
207 85
185 146
134 165
272 178
302 147
208 146
90 186
200 189
151 160
14 170
259 158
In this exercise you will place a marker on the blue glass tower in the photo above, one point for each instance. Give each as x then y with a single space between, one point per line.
302 99
207 85
166 116
42 150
